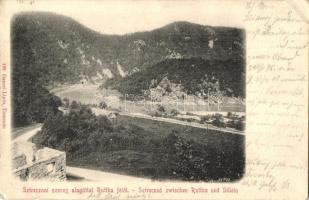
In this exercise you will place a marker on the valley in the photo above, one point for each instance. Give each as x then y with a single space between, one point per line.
164 104
92 95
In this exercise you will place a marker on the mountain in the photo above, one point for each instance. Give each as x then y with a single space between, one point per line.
181 57
64 51
196 76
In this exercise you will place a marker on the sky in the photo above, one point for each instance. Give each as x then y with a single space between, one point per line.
121 17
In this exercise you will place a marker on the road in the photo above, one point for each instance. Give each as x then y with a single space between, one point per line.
94 175
175 121
99 111
25 134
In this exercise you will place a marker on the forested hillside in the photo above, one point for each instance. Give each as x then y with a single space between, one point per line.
65 51
196 75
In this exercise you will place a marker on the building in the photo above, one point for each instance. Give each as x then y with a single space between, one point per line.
31 163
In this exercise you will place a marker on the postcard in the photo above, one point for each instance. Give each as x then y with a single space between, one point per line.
154 99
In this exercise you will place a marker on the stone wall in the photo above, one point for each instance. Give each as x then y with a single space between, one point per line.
46 163
52 169
19 161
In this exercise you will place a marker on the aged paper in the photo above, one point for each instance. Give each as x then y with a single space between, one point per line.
271 164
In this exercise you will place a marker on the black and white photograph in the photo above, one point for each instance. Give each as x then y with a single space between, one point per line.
164 102
177 100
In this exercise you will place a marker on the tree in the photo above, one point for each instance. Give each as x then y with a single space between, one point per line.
74 105
66 102
174 112
218 121
161 108
240 125
229 114
103 105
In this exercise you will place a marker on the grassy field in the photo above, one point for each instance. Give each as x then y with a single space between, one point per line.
162 129
195 154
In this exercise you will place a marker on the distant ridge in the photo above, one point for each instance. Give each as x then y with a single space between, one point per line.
64 51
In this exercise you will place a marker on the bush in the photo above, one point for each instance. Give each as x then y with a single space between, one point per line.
102 105
205 118
174 112
158 114
74 105
218 121
191 114
66 102
239 125
72 131
161 108
190 120
229 114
